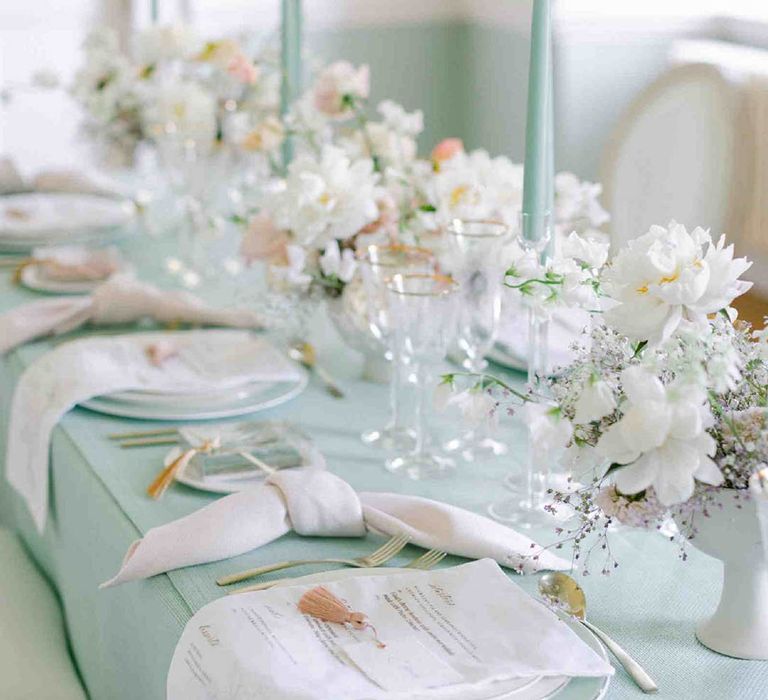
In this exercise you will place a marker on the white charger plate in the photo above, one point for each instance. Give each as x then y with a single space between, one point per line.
56 217
181 408
541 688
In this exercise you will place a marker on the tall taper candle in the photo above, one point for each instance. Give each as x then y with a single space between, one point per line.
290 51
538 127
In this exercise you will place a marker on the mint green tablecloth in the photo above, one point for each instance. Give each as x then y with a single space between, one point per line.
123 638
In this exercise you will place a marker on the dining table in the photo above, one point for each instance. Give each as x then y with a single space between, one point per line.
123 638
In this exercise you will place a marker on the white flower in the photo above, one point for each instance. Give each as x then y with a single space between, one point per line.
477 407
164 43
595 401
668 276
326 198
293 273
476 186
661 438
266 136
550 431
379 140
339 83
400 121
334 262
593 253
761 341
183 109
724 368
576 203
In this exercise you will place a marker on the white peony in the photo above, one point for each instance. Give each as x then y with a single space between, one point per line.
182 109
661 439
591 252
595 401
668 276
334 262
325 198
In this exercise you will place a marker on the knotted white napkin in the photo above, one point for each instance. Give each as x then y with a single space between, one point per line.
314 502
121 299
207 360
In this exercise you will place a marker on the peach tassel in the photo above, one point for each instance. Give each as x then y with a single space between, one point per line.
319 602
166 477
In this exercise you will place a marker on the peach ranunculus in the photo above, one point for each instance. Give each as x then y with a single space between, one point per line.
337 84
242 69
264 241
266 136
447 149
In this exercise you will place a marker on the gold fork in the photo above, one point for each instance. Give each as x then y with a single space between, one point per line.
376 558
424 562
427 560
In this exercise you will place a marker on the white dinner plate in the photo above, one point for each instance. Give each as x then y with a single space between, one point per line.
32 278
275 394
39 219
541 688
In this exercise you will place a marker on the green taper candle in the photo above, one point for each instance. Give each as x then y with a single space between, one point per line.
537 183
290 52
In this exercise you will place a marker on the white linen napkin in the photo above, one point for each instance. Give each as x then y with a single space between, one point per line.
206 360
121 299
449 633
312 502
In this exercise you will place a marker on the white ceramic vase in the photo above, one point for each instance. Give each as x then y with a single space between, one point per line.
732 534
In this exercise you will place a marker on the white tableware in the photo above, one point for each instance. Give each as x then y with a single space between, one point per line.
38 219
732 534
541 688
33 278
261 399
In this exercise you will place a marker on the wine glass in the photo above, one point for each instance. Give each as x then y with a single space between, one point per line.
423 317
476 263
378 266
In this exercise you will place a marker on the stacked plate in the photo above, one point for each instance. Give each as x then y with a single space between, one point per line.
39 219
241 374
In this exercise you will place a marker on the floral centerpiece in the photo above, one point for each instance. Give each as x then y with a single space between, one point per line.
663 412
173 82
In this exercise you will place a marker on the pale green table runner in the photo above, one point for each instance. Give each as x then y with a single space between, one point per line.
123 638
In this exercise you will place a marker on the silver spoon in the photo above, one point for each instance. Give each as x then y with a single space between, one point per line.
304 353
566 594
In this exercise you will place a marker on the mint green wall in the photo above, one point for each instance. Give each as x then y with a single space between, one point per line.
471 81
422 67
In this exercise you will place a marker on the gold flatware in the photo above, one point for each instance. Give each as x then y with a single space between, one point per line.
149 442
423 563
304 354
376 558
168 473
427 560
561 590
142 433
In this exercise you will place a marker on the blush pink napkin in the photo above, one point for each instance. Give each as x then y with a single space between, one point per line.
121 299
317 502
